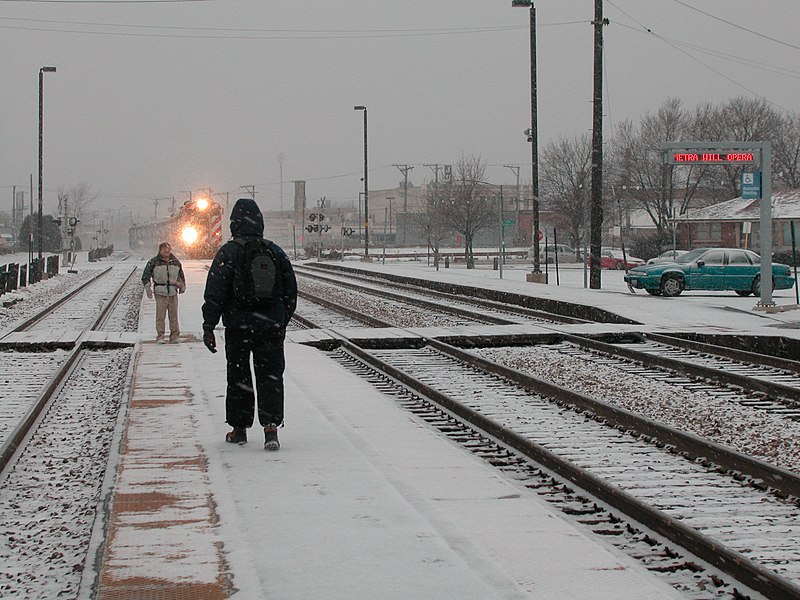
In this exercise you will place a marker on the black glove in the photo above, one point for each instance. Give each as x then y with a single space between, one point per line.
210 341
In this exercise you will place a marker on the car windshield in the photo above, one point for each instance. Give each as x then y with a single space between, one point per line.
691 256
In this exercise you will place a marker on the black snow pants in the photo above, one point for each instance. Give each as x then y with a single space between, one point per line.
268 366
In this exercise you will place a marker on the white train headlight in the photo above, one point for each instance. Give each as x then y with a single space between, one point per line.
189 235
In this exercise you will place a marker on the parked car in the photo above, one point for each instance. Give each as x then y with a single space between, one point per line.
610 258
548 253
665 257
708 269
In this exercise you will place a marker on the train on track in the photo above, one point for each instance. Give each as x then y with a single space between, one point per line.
194 230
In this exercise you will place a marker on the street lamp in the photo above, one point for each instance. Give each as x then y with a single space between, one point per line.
533 135
42 71
366 187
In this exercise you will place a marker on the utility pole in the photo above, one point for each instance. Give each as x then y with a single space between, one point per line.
281 158
250 189
597 149
404 169
227 199
435 168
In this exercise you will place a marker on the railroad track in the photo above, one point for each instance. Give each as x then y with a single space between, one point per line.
735 513
473 309
722 507
55 442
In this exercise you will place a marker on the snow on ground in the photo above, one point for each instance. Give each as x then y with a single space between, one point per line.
365 501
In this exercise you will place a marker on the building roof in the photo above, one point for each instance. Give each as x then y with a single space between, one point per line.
785 205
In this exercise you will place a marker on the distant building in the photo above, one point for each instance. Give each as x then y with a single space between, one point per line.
737 223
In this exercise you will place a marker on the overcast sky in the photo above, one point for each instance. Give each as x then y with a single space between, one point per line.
155 97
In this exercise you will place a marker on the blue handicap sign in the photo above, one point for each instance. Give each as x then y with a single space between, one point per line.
751 185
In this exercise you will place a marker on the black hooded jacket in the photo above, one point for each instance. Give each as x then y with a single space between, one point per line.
246 223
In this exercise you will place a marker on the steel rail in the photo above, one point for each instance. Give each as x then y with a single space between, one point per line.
756 358
17 436
104 314
353 314
27 323
485 303
452 310
560 307
737 565
700 371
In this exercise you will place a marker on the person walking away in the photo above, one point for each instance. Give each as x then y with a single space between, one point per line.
163 277
251 286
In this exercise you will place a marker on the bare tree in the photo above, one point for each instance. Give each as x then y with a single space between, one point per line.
468 202
432 224
78 198
564 169
786 152
639 163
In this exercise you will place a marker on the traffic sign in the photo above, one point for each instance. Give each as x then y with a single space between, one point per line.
508 222
540 235
751 185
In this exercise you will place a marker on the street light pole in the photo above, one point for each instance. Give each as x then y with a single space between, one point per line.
42 71
533 134
366 186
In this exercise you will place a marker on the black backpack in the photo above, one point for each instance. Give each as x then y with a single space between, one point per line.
256 283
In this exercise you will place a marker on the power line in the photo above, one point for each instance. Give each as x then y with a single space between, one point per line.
716 18
251 33
675 47
105 1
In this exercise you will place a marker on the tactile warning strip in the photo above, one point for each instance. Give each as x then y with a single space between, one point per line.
163 542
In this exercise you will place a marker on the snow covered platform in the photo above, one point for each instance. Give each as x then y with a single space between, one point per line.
399 337
362 501
68 338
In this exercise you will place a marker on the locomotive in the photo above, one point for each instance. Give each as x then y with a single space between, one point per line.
194 231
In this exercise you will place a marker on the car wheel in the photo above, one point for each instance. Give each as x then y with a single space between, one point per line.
744 292
756 286
619 266
671 285
653 292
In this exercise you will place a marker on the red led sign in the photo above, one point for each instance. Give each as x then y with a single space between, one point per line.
714 158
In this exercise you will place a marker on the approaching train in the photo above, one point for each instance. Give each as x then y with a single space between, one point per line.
194 231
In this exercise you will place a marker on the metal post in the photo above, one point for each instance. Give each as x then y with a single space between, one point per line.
42 71
404 169
502 234
585 233
534 145
385 210
366 186
533 132
794 264
766 225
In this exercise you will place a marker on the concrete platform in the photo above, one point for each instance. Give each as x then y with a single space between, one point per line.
362 501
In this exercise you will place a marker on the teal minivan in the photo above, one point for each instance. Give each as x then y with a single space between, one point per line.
732 269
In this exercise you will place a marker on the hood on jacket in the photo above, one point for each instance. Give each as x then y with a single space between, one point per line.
246 218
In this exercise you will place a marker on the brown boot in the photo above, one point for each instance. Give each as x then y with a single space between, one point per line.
237 436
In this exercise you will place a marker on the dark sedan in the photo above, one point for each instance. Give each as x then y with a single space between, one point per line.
732 269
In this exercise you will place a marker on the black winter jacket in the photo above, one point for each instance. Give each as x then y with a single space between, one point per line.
246 223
